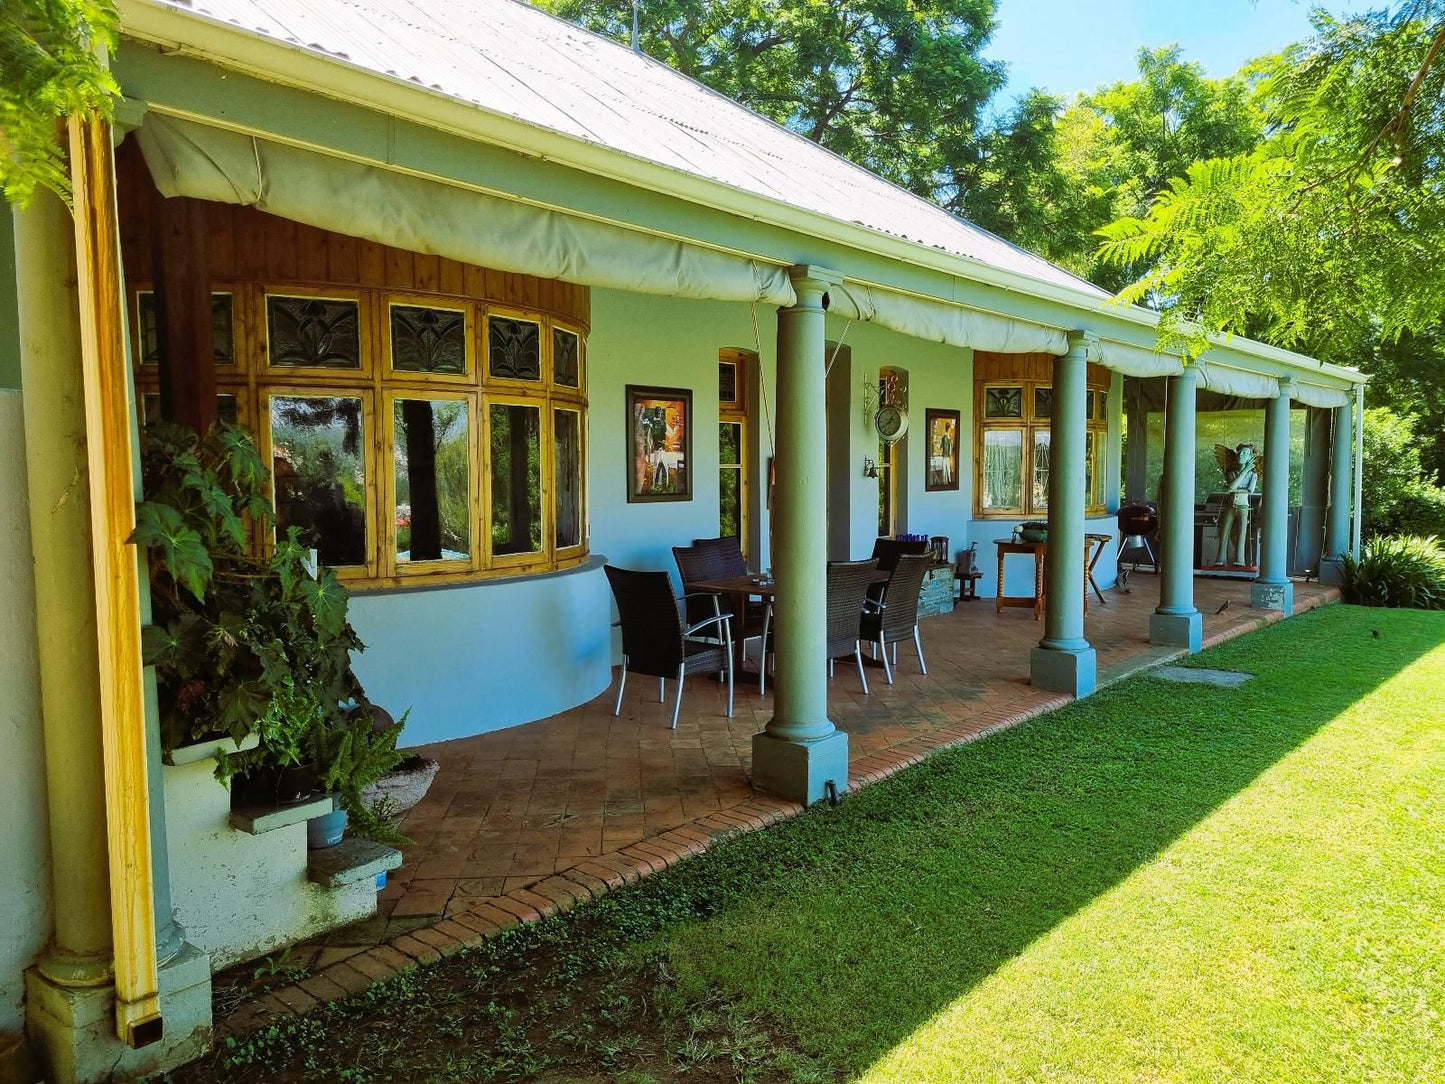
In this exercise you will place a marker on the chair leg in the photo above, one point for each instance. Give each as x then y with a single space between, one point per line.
763 650
830 667
895 652
887 669
662 690
621 684
918 643
730 685
858 658
677 704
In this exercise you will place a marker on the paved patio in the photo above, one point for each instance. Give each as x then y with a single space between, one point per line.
510 809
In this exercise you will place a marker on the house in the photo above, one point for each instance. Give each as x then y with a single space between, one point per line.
367 219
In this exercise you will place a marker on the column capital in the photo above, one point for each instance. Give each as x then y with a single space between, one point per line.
1287 387
810 278
1084 343
1187 375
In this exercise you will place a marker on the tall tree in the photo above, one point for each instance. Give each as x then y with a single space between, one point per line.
1330 234
894 85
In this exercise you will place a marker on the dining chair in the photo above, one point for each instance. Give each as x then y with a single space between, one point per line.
847 586
894 616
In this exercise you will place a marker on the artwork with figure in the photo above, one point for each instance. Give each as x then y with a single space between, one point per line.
1241 467
659 437
942 427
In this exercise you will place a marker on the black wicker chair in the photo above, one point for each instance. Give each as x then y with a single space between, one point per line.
712 559
847 587
886 552
657 643
894 617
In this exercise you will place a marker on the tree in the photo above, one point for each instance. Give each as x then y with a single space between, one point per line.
894 85
51 66
1395 499
1329 234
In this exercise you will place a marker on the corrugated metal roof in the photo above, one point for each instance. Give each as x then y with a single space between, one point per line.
513 59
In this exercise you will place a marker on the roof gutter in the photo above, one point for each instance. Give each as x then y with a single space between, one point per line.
189 33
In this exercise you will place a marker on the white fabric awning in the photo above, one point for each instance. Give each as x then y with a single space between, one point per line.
440 218
1245 385
942 322
1315 396
1136 360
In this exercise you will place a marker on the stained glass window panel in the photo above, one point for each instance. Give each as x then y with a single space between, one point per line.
1103 404
514 349
1041 469
318 463
567 437
313 332
223 328
432 507
727 382
1005 402
426 340
566 352
1043 402
1003 464
516 447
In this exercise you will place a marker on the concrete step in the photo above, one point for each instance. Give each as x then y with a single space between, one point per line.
349 861
267 817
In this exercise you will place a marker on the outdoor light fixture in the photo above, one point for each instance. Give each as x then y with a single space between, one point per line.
870 468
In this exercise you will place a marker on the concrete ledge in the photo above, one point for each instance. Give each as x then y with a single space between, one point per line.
350 861
258 819
208 750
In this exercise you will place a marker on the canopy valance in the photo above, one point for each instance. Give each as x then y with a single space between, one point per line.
943 322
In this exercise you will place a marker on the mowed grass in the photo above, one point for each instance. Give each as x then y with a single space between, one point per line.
1162 883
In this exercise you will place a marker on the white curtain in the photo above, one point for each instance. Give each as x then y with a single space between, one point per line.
1227 381
942 322
437 218
1316 396
1137 360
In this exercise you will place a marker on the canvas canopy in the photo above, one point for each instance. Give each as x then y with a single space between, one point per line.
942 322
1228 381
1315 396
440 218
1136 361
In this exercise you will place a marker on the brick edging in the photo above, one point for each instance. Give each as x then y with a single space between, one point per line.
592 878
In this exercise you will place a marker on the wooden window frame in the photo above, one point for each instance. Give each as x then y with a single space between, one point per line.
394 376
530 388
549 477
392 565
735 412
532 559
366 338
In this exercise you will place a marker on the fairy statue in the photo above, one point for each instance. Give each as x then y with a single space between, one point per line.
1241 467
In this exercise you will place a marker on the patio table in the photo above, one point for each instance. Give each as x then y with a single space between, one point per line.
741 588
1093 546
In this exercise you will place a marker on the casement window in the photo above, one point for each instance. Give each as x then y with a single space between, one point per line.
732 440
410 436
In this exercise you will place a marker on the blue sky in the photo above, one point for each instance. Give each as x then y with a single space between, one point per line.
1066 46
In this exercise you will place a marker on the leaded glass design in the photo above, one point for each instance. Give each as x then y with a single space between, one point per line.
1003 402
727 382
514 349
1041 470
319 466
1003 466
567 449
516 447
566 355
313 332
1043 402
1103 414
432 506
427 340
223 328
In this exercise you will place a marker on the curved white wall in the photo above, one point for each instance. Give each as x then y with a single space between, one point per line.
484 656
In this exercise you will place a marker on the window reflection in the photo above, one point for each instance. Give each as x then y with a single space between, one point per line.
516 447
567 435
1003 460
432 504
319 469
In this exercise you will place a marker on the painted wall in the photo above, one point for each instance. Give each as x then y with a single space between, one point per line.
25 905
9 314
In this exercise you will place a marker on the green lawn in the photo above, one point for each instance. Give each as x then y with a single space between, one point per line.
1165 882
1162 883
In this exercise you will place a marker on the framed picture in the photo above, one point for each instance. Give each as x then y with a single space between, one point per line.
659 444
942 427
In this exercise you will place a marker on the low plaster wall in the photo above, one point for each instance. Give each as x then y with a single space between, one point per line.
25 905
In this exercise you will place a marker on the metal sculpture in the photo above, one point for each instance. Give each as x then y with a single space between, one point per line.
1241 467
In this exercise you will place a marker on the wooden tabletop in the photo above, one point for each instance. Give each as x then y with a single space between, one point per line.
754 585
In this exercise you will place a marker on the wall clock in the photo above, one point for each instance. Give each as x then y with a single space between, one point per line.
891 423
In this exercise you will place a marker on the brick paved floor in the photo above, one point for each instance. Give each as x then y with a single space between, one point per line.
511 808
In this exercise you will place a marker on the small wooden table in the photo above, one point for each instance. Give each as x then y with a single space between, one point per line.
1039 551
1097 542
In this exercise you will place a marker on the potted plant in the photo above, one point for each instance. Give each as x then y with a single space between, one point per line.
347 759
1035 530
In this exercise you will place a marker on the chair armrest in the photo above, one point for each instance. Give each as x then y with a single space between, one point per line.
722 619
879 606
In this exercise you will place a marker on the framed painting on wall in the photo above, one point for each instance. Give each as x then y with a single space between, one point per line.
659 444
942 427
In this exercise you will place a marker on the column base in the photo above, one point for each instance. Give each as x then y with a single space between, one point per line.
1272 596
1177 630
72 1028
1073 671
800 771
1332 571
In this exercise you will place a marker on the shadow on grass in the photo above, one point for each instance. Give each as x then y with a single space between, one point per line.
857 925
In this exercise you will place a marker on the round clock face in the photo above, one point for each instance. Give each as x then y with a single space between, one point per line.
891 423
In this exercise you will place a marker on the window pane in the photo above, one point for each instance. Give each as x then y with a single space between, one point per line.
566 348
1003 402
1043 402
228 408
313 332
428 340
885 488
730 502
432 460
567 434
516 435
319 465
1041 469
729 443
223 331
514 349
1103 405
727 382
1003 465
1091 465
1093 403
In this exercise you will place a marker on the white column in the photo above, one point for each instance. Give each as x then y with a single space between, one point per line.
1272 590
1176 622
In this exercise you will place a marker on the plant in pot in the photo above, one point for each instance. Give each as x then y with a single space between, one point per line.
347 759
241 644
